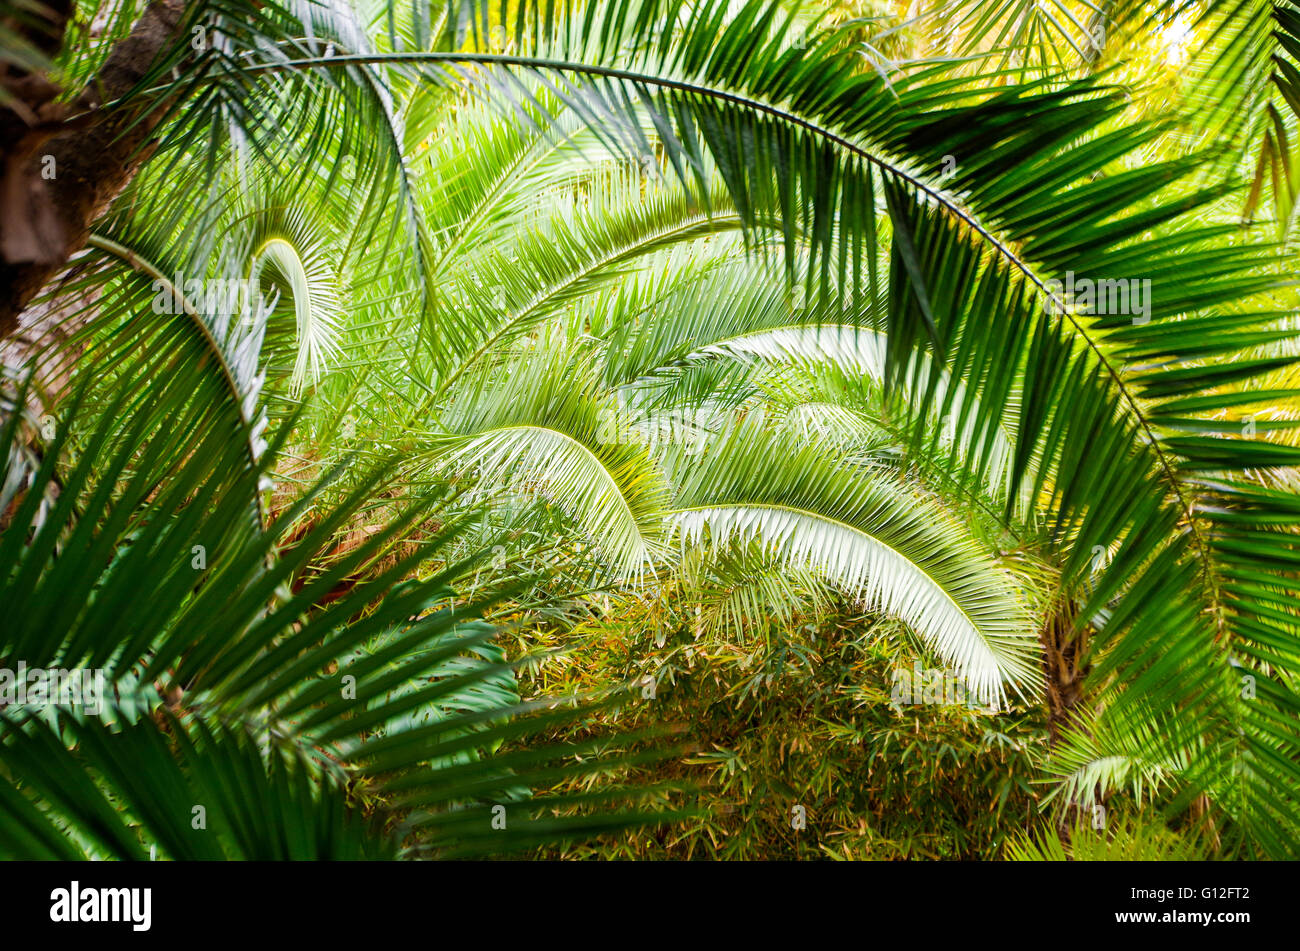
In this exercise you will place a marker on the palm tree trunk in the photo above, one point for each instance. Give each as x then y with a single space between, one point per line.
62 163
1063 646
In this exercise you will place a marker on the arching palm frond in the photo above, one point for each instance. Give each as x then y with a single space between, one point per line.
871 537
540 424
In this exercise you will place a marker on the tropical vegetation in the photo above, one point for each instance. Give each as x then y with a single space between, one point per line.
651 428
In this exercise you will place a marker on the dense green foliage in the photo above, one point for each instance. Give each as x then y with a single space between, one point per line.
738 363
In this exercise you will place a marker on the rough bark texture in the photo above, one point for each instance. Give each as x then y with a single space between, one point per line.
1062 647
61 164
45 329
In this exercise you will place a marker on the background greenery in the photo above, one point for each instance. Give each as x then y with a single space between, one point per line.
707 352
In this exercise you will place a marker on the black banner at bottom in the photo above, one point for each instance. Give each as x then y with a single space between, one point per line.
945 902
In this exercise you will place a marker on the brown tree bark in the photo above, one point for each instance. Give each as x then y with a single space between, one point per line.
62 163
1062 650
